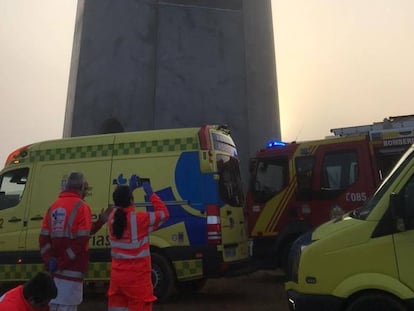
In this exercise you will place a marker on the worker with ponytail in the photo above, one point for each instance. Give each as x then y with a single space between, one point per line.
130 285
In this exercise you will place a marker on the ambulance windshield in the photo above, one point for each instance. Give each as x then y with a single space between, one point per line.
224 143
230 184
12 184
364 211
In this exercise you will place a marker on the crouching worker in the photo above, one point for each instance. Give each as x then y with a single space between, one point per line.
34 295
130 286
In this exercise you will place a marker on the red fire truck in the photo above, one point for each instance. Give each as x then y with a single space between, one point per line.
297 186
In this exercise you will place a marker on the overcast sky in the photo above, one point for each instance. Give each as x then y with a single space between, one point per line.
342 63
339 63
36 45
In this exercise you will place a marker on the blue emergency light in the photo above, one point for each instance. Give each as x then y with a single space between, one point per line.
275 143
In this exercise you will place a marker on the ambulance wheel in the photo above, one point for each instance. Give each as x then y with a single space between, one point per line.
163 277
377 302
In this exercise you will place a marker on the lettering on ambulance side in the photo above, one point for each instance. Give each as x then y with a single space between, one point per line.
356 196
99 240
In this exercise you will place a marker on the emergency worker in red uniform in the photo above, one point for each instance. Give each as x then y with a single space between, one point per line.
64 241
130 286
34 295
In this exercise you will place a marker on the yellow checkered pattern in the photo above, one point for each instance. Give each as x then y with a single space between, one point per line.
165 145
121 149
185 269
19 272
188 269
98 271
81 152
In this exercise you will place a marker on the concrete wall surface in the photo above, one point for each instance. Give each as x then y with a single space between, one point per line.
148 64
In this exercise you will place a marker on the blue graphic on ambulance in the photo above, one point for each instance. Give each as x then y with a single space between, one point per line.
194 187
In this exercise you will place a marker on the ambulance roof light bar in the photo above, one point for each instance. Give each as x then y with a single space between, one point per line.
13 157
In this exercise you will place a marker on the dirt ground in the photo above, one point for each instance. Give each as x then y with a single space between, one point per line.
259 291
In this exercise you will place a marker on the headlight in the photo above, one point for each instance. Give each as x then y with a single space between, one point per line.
295 253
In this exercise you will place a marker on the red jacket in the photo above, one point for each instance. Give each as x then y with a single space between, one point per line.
14 300
131 260
65 233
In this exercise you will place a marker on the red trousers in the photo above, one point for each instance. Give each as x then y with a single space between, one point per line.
126 298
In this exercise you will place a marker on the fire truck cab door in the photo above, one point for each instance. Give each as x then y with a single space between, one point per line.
343 176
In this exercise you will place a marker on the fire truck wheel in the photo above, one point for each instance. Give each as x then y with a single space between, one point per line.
163 277
377 302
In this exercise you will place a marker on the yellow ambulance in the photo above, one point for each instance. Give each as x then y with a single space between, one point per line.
363 260
195 171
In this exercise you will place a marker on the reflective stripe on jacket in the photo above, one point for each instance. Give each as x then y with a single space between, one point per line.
135 241
131 261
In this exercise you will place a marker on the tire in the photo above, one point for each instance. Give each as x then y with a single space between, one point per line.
377 302
284 257
163 278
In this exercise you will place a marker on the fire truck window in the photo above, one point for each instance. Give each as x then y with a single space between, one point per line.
386 159
339 170
333 177
304 173
271 178
12 185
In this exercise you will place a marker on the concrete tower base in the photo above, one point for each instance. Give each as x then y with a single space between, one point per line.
148 64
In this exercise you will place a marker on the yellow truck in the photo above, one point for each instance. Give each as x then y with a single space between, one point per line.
364 259
195 171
